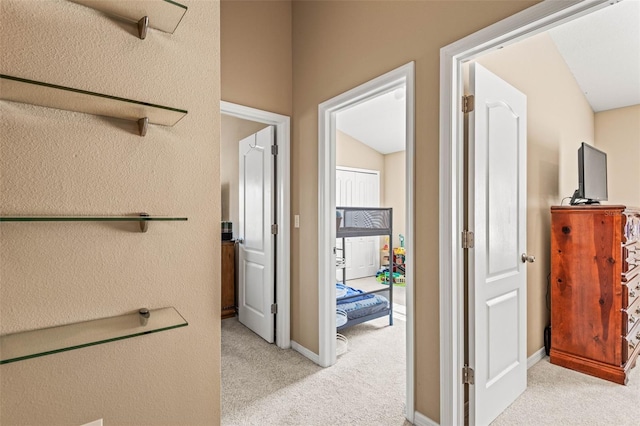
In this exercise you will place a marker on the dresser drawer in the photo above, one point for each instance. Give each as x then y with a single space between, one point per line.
630 291
630 257
632 227
630 316
631 342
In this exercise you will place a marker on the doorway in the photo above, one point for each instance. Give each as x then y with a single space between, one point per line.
328 112
529 22
281 126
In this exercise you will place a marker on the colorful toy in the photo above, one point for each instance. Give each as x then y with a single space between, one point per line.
382 276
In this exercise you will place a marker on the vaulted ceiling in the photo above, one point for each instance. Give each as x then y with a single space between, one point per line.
601 49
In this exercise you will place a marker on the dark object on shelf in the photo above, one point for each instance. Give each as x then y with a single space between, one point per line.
227 230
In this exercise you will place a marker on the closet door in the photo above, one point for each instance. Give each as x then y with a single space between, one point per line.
358 188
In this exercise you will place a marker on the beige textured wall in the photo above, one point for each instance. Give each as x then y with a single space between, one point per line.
56 162
337 46
256 54
618 134
559 119
232 131
394 189
350 152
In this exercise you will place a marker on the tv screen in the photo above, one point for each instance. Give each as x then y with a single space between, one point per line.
592 176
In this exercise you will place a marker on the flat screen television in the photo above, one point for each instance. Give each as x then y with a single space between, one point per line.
592 176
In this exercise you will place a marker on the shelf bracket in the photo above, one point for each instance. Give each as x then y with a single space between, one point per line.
144 224
144 316
143 125
143 26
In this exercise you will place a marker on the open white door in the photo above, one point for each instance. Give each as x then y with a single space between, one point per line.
497 272
256 241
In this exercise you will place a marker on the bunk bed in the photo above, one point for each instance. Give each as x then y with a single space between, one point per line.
355 306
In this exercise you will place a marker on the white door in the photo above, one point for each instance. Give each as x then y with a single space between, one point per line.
497 274
358 189
256 247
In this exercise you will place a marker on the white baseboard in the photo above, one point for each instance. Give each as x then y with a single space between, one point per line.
537 356
305 352
420 419
94 423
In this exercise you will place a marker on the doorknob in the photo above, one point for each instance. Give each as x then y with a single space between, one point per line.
239 241
527 258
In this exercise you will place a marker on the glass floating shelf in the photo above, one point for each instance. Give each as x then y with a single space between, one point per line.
33 92
163 15
46 341
143 218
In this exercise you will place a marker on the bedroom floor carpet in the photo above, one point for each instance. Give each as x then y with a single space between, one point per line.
265 385
559 396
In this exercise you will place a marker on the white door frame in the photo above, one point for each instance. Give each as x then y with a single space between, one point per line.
327 111
531 21
283 199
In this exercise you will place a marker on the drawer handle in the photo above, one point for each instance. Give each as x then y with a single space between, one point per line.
632 293
638 310
632 319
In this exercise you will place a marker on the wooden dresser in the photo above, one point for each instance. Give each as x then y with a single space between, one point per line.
595 289
227 279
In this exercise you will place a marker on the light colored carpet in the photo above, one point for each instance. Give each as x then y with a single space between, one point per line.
265 385
559 396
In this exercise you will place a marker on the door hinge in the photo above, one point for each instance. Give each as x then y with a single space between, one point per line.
274 149
468 376
468 103
274 308
274 229
467 239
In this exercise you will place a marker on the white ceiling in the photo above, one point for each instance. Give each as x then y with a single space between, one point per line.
602 50
378 122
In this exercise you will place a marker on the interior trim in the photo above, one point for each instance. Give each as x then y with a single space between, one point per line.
327 204
305 352
536 357
422 420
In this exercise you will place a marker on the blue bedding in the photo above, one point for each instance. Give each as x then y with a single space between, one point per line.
350 293
361 306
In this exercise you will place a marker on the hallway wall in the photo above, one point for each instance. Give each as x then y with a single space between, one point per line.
338 46
55 162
